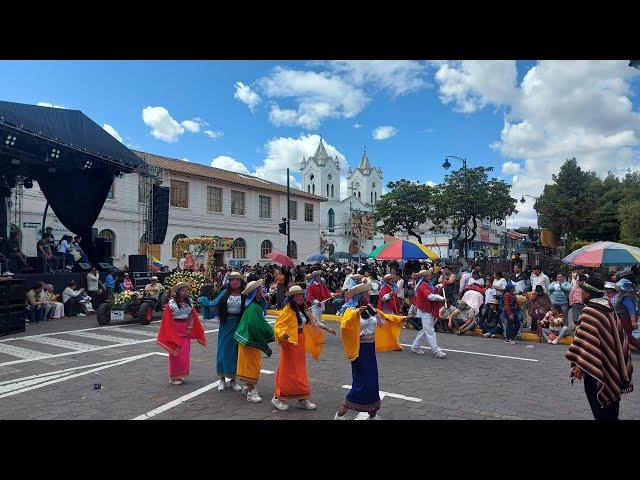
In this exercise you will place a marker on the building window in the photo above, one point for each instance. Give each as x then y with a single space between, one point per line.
313 188
214 199
308 212
293 210
239 248
331 191
265 207
329 177
371 197
110 192
265 248
293 250
376 196
308 188
110 238
237 203
332 219
179 194
358 194
175 253
327 189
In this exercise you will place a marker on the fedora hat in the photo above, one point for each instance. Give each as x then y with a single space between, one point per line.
180 285
233 275
361 288
424 273
294 290
154 278
316 272
493 301
251 286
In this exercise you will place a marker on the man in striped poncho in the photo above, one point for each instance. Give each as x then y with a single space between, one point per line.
599 353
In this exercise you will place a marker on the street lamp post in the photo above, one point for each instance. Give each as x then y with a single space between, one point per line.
447 165
535 200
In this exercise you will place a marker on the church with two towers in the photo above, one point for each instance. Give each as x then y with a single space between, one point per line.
345 223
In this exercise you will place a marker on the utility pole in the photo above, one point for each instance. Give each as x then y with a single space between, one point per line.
288 217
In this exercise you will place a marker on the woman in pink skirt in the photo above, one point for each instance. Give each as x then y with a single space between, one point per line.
180 324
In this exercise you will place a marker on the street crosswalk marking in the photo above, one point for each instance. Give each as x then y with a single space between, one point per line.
23 353
61 343
144 333
365 415
106 337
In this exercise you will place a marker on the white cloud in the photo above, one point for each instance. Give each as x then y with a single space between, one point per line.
163 126
431 183
472 84
185 160
245 94
560 110
384 132
510 168
357 125
213 134
191 126
228 163
283 152
50 105
112 131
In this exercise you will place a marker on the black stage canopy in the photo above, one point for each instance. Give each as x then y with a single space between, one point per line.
73 159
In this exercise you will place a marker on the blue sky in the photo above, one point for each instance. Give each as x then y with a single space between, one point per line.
482 110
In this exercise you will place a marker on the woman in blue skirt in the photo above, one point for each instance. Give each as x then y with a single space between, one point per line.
230 305
358 329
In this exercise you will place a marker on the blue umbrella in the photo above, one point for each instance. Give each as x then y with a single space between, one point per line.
317 258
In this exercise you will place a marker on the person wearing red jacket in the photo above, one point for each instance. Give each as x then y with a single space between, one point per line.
317 293
388 300
427 304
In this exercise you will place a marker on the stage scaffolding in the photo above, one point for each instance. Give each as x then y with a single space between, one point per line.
148 176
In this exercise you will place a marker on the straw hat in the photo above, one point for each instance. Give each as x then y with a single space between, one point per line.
316 272
154 278
361 288
357 276
389 276
234 274
251 286
348 268
424 273
493 301
294 290
610 285
180 285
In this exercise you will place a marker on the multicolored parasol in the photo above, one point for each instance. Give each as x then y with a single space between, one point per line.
604 253
403 250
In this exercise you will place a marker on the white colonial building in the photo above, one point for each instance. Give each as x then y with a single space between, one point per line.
205 201
340 218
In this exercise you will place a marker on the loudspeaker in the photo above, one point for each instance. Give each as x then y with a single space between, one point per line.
101 250
138 263
105 267
160 214
81 267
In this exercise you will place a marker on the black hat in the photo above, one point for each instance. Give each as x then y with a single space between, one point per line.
537 267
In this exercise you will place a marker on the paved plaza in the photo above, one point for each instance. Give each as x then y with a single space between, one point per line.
49 372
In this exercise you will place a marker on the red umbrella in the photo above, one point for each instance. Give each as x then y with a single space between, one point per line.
280 258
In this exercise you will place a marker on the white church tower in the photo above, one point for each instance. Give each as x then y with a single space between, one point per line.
321 174
365 182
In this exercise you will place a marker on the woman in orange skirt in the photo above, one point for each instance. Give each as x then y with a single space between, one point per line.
297 332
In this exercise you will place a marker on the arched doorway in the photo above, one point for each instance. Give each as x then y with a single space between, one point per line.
110 238
353 247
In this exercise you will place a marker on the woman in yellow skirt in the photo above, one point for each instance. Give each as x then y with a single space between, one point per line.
253 336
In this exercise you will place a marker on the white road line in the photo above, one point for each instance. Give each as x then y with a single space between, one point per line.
181 400
144 333
69 377
393 395
68 331
479 353
60 343
23 353
105 337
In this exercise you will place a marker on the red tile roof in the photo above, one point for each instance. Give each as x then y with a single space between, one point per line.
199 170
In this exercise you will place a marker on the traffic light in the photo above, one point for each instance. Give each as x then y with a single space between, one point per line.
283 226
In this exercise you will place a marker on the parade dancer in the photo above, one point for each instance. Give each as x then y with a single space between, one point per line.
353 282
253 335
365 330
426 302
297 332
230 303
388 300
317 294
179 325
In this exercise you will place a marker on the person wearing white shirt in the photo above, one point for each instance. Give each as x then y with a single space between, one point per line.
475 279
539 278
464 279
347 278
71 299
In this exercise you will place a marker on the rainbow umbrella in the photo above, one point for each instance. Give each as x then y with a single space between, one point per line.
403 250
604 253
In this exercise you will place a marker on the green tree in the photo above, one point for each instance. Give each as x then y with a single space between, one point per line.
629 216
565 206
466 197
404 207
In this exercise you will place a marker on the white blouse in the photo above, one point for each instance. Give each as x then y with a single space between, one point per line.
179 312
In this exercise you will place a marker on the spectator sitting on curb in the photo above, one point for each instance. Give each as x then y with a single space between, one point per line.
553 328
490 321
462 318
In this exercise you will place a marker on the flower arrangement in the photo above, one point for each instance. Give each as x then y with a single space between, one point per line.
195 279
124 300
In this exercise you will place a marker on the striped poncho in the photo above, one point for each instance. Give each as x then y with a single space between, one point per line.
601 349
